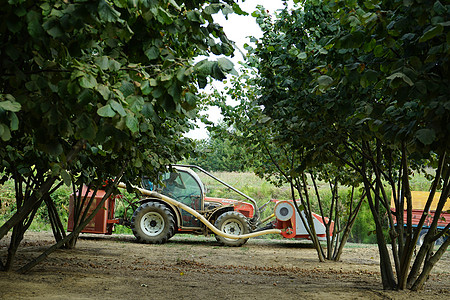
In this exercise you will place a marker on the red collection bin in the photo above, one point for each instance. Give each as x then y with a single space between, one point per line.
103 222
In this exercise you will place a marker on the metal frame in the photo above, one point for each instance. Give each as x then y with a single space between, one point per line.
253 201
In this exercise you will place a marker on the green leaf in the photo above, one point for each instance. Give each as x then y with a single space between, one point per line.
238 10
66 178
421 87
145 88
5 134
191 99
14 122
102 62
371 76
53 148
175 91
118 108
194 16
87 81
164 16
181 75
14 25
439 8
127 88
104 91
10 106
302 56
135 103
324 81
55 32
175 4
106 12
202 81
204 67
152 53
132 123
114 65
148 111
153 82
402 76
225 64
426 136
212 9
431 33
378 51
106 111
218 73
166 77
34 24
88 132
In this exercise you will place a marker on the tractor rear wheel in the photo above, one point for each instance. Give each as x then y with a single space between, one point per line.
153 223
235 223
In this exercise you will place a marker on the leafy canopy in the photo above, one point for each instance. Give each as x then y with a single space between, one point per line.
114 81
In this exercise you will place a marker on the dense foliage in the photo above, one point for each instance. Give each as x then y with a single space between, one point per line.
97 90
362 85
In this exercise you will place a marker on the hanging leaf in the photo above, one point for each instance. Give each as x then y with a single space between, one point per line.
14 122
5 134
431 33
10 106
87 81
106 12
106 111
66 178
152 53
102 62
225 64
426 135
104 91
132 123
324 81
401 76
118 108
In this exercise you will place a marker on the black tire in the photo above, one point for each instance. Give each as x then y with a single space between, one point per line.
153 223
232 222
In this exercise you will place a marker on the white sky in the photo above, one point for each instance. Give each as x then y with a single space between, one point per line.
238 29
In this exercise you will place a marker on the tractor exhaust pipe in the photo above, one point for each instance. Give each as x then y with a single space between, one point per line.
200 217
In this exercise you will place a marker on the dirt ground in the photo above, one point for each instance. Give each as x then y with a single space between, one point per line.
116 267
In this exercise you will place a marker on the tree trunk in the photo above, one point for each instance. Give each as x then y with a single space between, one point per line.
57 227
65 240
387 275
429 264
348 229
30 204
429 237
16 238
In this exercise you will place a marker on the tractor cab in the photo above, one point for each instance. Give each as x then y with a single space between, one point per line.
184 185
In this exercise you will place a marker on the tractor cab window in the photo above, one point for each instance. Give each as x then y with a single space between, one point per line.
181 186
184 187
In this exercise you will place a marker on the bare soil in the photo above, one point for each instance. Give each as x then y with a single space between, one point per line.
117 267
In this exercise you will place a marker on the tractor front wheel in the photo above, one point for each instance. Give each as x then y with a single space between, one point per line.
235 223
153 223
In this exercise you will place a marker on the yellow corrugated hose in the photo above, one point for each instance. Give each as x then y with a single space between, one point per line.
200 217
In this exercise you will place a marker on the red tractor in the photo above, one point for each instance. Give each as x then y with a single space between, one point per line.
179 205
